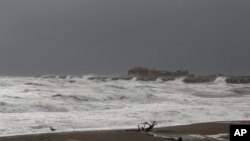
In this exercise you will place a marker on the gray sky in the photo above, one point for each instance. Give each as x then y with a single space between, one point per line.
112 36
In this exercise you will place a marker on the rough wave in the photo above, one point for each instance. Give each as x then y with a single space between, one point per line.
32 104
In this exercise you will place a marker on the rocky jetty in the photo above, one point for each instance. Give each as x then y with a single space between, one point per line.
144 78
238 79
106 78
122 78
200 79
152 72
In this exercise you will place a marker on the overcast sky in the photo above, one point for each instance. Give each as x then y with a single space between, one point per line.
112 36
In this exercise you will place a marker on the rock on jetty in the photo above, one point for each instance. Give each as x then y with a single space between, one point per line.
200 79
238 79
152 72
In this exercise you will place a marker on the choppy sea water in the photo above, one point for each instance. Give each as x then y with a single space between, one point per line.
31 105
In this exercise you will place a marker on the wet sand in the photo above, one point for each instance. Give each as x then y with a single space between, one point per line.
213 131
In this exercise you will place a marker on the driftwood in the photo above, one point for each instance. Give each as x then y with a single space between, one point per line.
146 127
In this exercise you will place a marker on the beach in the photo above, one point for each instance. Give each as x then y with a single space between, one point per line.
210 131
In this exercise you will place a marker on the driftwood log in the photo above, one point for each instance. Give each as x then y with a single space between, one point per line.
146 127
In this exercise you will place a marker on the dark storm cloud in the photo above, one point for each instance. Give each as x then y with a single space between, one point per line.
111 36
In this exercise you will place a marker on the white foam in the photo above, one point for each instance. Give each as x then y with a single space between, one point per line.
32 105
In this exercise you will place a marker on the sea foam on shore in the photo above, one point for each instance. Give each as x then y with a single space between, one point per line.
68 103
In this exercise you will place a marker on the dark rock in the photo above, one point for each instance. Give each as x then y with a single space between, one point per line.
200 79
141 78
238 79
154 73
122 78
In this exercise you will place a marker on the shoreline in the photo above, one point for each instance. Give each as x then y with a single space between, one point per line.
206 131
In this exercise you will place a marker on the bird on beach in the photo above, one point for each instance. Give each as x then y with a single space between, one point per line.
52 129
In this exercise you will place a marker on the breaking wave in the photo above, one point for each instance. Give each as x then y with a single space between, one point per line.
67 102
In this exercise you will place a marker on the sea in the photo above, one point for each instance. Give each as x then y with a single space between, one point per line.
31 105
